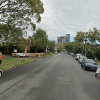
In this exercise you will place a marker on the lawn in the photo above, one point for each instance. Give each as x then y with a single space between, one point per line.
47 55
15 64
10 60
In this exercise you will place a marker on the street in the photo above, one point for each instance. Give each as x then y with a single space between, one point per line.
59 77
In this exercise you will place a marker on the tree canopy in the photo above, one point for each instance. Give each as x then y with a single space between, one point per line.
79 36
94 35
51 45
41 39
21 12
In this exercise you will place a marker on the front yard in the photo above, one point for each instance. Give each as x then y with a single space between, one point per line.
12 62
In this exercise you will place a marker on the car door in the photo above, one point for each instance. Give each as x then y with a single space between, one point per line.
82 64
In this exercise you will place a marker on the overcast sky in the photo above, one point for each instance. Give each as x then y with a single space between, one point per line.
63 17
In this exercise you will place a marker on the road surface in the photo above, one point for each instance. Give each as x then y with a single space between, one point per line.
59 77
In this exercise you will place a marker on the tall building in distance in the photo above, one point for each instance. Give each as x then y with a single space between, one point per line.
67 38
63 39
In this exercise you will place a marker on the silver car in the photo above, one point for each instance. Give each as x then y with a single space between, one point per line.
81 58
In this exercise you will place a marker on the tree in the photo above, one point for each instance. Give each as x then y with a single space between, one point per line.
51 46
31 41
60 46
68 47
94 35
30 44
10 33
74 47
41 39
79 37
21 12
97 53
90 54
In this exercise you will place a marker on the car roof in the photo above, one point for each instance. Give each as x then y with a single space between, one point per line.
78 54
89 60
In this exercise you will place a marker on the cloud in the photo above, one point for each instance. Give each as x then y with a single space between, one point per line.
63 17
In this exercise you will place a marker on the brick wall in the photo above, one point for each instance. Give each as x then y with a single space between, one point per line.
31 54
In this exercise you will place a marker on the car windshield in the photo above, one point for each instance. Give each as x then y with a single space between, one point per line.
84 57
89 61
81 57
78 54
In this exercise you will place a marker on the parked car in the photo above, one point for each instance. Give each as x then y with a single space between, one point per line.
81 58
1 73
21 55
89 64
77 56
56 52
72 54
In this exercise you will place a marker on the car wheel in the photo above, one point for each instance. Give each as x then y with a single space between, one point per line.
26 56
18 56
0 74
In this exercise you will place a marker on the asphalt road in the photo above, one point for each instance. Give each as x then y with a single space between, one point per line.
59 77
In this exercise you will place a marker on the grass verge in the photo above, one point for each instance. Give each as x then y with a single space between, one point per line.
98 62
15 64
9 60
47 55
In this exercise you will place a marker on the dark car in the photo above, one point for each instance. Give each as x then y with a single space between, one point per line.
89 64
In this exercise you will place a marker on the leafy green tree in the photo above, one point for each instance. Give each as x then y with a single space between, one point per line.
21 12
94 35
79 37
82 38
51 46
97 53
10 33
31 41
41 39
68 47
60 46
74 47
90 54
58 50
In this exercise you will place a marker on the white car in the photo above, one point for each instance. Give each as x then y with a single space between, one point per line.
56 52
21 55
81 58
77 56
1 73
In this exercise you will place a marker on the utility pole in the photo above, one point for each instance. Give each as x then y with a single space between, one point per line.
85 40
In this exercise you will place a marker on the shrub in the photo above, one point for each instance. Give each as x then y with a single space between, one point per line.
90 54
58 50
97 53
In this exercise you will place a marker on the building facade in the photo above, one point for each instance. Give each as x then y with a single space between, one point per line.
63 39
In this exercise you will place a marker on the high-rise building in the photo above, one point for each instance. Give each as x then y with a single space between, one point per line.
67 38
63 39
